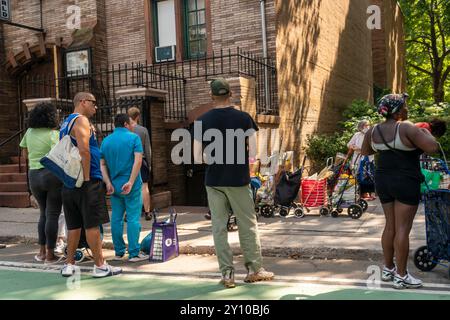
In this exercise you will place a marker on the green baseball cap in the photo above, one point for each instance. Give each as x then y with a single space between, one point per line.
220 87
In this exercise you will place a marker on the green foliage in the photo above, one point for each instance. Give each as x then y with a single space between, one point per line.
427 26
426 110
378 93
322 146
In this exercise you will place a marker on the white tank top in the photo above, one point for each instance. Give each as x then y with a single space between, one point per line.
396 144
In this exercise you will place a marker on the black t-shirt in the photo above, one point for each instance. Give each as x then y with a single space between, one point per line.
227 171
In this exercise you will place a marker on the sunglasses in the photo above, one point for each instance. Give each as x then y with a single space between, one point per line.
93 101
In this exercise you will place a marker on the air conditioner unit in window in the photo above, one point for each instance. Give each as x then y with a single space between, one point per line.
163 54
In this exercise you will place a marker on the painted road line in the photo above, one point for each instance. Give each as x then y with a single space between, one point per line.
302 290
431 288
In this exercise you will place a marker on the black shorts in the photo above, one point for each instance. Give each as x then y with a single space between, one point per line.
145 171
85 207
401 188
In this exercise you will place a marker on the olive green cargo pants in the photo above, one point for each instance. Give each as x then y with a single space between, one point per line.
239 200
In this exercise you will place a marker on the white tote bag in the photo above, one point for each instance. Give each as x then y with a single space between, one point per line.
64 161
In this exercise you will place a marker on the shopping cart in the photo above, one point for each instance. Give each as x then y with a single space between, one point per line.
344 192
279 188
437 219
436 172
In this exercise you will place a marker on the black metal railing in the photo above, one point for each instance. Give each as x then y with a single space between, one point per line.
172 77
13 137
104 85
231 63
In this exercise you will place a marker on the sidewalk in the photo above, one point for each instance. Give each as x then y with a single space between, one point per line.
312 237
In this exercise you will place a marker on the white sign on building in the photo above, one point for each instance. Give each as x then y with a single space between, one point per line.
5 10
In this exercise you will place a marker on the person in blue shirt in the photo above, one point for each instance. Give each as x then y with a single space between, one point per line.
85 207
121 160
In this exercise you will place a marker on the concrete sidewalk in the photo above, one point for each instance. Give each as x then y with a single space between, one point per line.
313 236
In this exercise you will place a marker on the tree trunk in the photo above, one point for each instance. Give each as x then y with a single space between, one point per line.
438 88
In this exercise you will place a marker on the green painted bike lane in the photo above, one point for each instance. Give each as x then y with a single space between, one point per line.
51 286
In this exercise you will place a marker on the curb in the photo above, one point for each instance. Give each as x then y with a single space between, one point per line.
311 253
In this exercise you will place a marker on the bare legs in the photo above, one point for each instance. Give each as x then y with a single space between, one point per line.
146 197
404 217
387 240
73 238
395 239
94 241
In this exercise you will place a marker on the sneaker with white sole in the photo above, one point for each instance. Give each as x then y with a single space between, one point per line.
261 275
118 258
140 257
60 248
406 282
228 279
105 271
68 270
388 274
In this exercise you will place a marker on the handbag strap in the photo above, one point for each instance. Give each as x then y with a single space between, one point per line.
154 215
72 123
173 215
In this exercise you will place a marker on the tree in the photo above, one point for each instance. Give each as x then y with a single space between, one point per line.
428 46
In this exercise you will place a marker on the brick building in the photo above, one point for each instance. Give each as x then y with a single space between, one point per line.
320 57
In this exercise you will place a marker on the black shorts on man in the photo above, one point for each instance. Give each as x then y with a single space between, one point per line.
85 207
145 172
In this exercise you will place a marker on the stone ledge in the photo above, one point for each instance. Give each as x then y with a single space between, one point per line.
174 124
31 103
266 119
141 92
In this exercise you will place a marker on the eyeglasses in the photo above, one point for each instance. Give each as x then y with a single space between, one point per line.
93 101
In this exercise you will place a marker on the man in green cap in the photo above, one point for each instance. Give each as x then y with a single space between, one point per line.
227 181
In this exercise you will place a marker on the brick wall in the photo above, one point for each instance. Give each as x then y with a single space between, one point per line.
8 110
126 31
395 48
54 20
324 60
237 23
389 66
159 142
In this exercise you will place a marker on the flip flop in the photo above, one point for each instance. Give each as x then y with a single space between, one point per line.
54 261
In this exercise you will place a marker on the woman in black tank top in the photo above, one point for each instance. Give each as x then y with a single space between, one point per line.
397 181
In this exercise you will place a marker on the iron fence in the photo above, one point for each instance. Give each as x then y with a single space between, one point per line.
172 77
231 63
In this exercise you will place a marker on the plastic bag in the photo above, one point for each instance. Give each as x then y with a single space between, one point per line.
146 243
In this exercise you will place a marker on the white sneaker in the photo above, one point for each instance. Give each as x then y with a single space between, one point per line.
388 274
140 257
406 282
105 271
68 270
60 248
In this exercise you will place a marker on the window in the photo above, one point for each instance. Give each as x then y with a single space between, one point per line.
195 28
166 34
180 23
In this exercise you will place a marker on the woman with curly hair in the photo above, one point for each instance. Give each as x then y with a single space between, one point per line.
40 137
399 144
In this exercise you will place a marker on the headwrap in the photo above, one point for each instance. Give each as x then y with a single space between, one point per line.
391 103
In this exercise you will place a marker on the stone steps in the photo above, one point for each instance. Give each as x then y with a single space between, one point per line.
13 187
15 199
13 168
13 177
13 184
